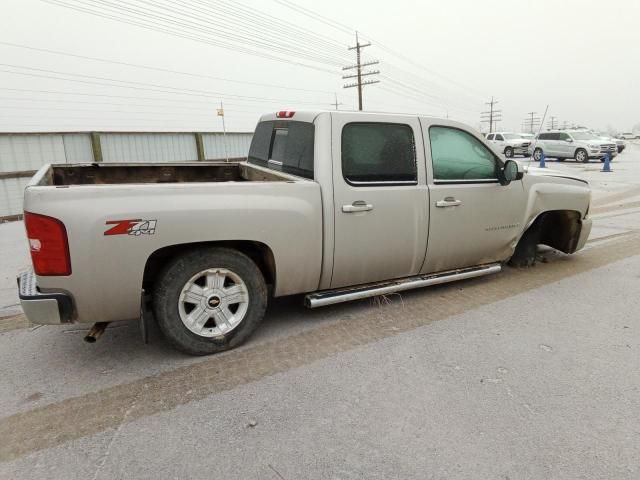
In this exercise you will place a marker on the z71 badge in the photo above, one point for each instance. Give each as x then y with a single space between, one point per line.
131 227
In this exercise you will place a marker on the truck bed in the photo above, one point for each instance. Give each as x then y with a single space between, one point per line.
110 174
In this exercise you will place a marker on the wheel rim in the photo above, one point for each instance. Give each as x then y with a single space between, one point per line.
581 156
213 302
508 153
537 154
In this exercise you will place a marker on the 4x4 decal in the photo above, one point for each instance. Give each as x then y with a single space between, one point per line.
131 227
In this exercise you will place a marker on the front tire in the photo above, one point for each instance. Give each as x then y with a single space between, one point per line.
582 155
526 250
209 300
508 152
537 154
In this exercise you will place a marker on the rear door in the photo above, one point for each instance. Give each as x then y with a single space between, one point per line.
473 218
380 198
499 143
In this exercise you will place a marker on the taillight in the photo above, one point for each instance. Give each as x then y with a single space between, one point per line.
285 114
48 245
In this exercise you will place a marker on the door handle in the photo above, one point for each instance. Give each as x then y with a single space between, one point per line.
357 206
448 202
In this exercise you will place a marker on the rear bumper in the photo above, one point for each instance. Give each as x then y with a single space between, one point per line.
43 308
584 233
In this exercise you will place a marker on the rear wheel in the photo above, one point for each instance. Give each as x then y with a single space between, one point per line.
582 155
209 300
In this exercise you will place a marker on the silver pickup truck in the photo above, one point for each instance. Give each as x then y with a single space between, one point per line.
332 205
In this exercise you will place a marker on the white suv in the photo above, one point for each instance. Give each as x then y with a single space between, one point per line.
581 145
509 143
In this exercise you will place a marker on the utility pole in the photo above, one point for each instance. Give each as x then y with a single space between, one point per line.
359 72
552 124
335 103
492 116
224 131
532 121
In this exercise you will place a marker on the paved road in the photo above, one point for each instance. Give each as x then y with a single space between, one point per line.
528 374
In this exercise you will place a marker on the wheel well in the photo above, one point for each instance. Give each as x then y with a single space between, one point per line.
260 253
559 229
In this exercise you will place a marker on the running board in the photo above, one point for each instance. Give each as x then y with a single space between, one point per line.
329 297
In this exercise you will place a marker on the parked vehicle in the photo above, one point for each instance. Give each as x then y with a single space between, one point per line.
336 206
578 144
509 144
628 136
620 143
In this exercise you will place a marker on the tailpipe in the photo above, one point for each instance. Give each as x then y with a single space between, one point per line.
95 332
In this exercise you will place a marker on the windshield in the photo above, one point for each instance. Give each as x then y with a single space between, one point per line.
511 136
583 136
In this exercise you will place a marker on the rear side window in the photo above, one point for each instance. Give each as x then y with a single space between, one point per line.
285 146
490 136
544 136
378 153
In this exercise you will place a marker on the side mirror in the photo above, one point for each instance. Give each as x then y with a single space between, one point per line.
510 172
569 140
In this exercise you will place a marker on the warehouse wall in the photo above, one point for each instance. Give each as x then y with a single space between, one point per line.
23 153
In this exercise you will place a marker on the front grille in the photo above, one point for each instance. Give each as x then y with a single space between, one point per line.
526 144
607 148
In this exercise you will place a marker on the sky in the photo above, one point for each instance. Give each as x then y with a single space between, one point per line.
166 65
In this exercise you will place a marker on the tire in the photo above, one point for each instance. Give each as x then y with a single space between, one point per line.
508 152
537 153
525 253
204 283
582 155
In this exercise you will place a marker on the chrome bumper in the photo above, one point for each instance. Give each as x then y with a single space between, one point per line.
42 308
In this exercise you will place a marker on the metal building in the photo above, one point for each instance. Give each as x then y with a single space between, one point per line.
21 154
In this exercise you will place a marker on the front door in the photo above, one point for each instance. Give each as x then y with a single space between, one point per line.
473 219
380 198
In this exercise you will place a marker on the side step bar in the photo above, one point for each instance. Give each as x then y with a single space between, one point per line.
329 297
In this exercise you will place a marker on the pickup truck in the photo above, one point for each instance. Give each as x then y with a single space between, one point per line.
335 206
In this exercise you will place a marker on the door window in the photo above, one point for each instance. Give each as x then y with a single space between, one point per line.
499 138
374 153
490 136
458 155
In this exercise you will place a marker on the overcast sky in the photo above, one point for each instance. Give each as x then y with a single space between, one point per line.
439 58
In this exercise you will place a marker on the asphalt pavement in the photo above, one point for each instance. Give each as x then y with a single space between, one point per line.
526 374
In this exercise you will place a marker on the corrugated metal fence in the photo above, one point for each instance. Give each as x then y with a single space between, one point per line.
23 153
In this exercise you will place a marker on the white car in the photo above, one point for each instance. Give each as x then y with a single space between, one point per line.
579 144
509 144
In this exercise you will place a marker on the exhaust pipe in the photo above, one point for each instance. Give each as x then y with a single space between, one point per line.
95 332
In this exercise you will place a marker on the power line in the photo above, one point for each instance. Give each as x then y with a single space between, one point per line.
359 83
194 28
158 69
347 29
140 85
